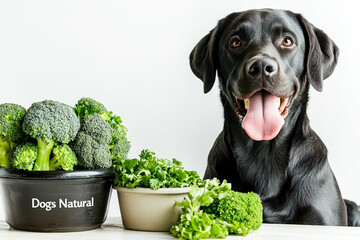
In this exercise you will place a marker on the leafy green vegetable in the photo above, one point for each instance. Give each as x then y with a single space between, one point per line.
215 211
199 225
151 172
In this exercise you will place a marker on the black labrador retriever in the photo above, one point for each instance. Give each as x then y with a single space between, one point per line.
266 61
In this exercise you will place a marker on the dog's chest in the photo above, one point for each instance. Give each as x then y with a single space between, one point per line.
262 169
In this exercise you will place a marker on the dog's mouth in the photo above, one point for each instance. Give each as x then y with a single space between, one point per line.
242 106
263 114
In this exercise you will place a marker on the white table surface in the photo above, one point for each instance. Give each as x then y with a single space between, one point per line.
114 230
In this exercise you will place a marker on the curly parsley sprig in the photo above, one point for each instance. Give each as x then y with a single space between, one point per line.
151 172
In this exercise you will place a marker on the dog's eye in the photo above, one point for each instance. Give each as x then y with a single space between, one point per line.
287 42
235 43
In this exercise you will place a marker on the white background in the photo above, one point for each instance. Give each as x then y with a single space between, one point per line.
133 57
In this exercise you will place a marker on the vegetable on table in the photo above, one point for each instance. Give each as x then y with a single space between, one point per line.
243 210
215 211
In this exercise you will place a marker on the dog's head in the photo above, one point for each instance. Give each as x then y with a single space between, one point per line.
264 59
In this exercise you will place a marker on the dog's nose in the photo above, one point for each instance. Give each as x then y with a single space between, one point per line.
266 67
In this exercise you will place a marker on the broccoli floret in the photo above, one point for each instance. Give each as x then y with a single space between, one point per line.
89 106
242 210
119 145
91 144
11 118
97 128
63 158
50 122
23 156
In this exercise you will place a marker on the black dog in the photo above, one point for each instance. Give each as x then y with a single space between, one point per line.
265 61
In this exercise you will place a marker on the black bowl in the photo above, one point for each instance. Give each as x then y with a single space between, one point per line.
56 201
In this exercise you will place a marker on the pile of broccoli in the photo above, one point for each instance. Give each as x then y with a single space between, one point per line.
52 136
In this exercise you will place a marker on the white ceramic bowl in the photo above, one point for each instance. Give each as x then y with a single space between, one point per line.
150 210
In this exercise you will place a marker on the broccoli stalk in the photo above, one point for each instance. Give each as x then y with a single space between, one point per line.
55 163
11 118
45 149
5 148
50 122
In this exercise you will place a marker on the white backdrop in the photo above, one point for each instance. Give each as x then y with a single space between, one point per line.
133 57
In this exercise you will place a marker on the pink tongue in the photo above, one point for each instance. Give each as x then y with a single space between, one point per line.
263 120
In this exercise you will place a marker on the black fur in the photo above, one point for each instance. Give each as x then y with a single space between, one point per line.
290 172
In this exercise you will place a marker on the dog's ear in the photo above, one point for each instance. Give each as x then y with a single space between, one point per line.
321 54
202 59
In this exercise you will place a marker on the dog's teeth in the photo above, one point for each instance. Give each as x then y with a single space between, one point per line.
246 102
